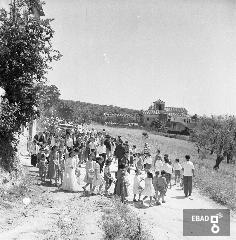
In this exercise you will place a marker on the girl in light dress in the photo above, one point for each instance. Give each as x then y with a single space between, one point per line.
70 182
137 188
90 172
98 180
177 170
149 190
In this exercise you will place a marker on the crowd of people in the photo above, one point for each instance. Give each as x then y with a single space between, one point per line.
61 155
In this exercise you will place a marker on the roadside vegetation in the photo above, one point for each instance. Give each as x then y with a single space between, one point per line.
120 222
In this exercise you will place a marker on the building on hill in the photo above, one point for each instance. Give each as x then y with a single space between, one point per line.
121 118
173 118
155 113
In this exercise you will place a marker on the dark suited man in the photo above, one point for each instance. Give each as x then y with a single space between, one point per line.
120 154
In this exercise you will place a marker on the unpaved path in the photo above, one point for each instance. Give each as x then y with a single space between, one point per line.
166 221
52 214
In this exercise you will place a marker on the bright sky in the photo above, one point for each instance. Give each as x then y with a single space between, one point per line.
131 52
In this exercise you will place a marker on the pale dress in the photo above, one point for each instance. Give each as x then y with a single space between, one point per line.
148 189
98 179
70 181
137 185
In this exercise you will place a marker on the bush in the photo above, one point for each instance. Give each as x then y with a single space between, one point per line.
120 222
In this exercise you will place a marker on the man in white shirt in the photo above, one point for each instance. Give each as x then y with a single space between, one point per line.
188 173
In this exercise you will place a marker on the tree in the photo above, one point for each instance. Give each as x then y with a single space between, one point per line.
157 124
216 135
25 54
64 112
48 101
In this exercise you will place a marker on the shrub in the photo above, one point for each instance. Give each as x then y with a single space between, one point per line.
120 222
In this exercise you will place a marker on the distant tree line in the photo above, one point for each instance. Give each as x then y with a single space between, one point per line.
79 112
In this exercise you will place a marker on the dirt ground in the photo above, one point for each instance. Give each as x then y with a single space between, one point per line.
54 214
51 214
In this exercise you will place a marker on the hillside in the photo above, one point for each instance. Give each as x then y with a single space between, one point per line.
88 111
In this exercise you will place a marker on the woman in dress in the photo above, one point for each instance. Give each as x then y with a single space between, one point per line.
70 182
90 172
107 176
149 190
52 166
121 183
98 179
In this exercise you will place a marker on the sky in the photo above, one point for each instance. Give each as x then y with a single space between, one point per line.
130 53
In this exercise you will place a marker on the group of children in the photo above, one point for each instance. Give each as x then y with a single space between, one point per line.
100 148
156 183
154 187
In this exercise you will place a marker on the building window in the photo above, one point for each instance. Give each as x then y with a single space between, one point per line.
148 119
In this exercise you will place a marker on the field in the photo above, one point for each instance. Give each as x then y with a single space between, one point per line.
219 186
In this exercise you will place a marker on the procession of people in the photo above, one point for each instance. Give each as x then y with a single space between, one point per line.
61 155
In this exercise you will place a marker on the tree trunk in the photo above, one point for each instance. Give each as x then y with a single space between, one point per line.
229 157
219 159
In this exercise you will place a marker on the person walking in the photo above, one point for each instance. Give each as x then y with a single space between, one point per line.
70 182
107 143
90 172
157 162
120 154
149 190
52 166
121 183
188 174
97 179
101 152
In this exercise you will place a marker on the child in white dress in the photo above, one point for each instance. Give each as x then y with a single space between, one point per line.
137 189
149 190
70 182
98 179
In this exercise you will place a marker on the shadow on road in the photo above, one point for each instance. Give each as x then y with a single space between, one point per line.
179 197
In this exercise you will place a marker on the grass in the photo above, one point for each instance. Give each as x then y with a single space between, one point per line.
219 186
121 223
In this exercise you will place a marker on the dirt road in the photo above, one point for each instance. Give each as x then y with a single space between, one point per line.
166 221
53 214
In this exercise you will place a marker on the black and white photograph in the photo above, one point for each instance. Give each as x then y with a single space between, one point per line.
117 119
